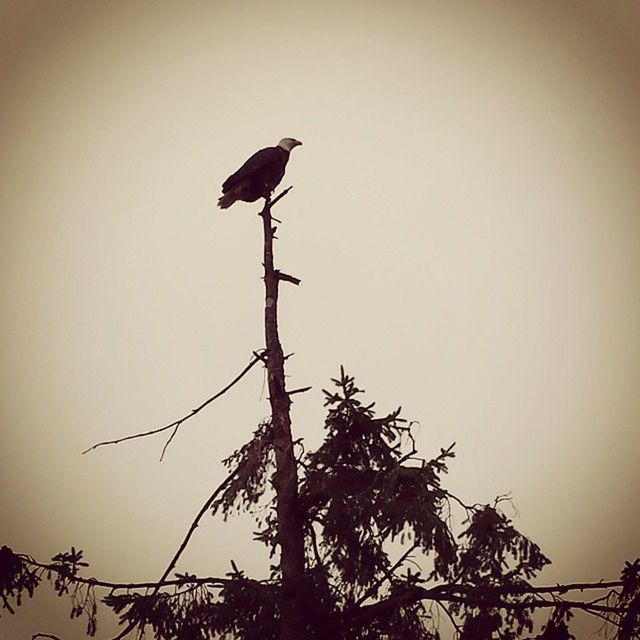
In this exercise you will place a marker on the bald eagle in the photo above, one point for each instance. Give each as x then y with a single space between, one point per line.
259 175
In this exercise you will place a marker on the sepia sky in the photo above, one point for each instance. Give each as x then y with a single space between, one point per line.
465 221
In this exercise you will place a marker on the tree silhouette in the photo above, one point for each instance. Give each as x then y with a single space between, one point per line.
362 532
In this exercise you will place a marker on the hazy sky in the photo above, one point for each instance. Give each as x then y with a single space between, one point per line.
465 222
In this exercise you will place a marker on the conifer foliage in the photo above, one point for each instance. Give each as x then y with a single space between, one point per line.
383 557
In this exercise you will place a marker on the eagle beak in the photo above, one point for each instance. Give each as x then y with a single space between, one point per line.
298 143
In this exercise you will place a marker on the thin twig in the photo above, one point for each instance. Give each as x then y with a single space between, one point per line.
467 507
177 423
168 442
605 598
316 550
451 618
269 203
300 390
411 437
280 196
373 590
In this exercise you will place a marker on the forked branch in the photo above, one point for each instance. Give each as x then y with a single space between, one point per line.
176 424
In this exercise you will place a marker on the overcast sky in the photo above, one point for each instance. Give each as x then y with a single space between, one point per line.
465 222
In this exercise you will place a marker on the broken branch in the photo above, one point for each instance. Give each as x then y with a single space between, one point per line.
287 278
300 390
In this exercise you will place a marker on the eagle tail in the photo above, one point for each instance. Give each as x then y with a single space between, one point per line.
227 200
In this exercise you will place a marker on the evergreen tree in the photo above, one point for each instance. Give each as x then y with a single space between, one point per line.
363 534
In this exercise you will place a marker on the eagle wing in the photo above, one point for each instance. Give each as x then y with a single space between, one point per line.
258 162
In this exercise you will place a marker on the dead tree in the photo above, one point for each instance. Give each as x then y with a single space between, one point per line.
285 482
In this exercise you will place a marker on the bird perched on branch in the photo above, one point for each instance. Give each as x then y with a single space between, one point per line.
259 175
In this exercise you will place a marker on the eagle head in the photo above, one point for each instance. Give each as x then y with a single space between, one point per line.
288 143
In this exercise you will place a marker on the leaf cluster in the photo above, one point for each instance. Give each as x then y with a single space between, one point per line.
251 465
20 574
360 495
15 579
198 612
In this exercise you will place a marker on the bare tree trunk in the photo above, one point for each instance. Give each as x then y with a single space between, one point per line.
290 528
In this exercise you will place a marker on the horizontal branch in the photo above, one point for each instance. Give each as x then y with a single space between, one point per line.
106 584
446 593
358 615
471 596
559 588
512 605
177 423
